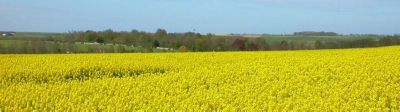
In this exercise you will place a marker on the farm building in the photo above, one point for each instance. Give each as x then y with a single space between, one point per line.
7 34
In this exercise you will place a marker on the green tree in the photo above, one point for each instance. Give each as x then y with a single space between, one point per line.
239 44
199 45
284 45
100 40
90 36
156 44
25 47
120 48
183 49
318 44
109 36
253 46
262 44
161 33
57 48
2 48
293 45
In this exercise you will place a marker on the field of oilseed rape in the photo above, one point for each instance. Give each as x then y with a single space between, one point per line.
311 80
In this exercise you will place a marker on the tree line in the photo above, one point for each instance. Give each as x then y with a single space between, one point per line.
161 40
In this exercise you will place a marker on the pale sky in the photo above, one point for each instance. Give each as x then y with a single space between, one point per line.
205 16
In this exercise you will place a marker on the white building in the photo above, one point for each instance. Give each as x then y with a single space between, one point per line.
7 34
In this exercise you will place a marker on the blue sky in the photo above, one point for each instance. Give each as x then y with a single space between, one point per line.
205 16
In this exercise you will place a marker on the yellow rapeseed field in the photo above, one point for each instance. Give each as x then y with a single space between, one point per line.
309 80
